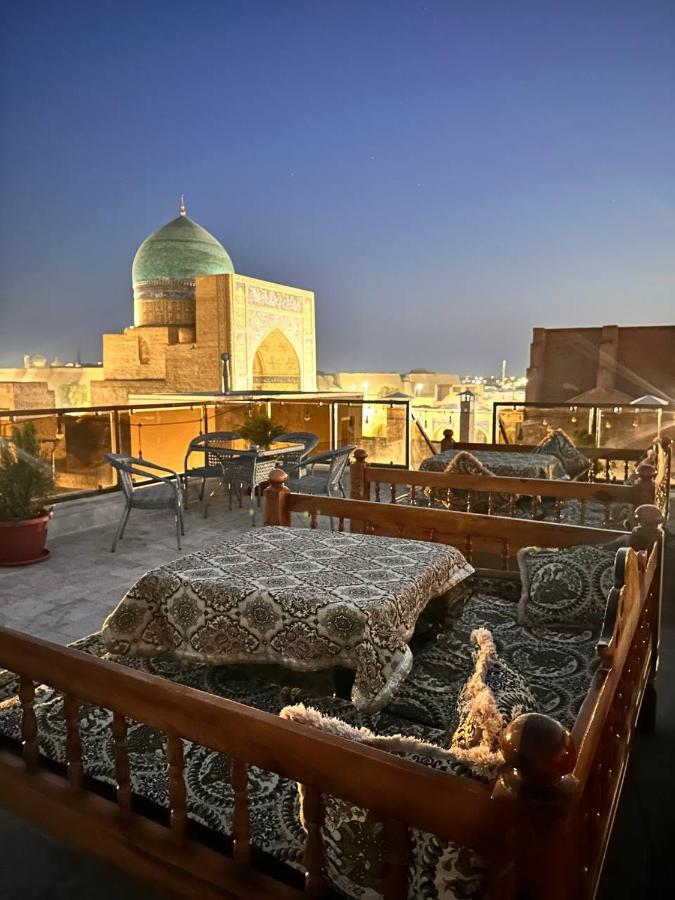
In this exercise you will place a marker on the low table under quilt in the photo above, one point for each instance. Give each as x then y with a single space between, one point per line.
301 598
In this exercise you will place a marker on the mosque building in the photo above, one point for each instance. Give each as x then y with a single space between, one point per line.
192 311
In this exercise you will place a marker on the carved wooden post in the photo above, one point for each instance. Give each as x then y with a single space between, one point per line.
535 788
448 441
275 497
646 484
647 532
359 487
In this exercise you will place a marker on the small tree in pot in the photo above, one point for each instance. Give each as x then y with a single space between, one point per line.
261 430
26 488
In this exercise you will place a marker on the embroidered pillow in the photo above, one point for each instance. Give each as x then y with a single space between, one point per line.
353 838
565 588
561 445
493 696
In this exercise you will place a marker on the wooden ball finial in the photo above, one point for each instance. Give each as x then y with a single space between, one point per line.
278 476
539 749
648 515
360 455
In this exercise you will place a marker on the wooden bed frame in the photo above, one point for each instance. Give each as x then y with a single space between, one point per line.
383 484
543 826
603 458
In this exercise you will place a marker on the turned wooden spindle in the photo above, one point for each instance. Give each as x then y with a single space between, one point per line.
177 793
649 528
275 499
122 771
75 770
241 825
312 808
396 860
29 726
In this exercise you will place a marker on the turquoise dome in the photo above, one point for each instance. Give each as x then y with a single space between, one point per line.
181 249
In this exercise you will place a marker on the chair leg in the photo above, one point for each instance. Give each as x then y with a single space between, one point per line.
177 517
182 522
253 492
120 527
124 522
201 492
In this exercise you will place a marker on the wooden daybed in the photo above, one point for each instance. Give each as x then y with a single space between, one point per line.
543 826
598 503
611 464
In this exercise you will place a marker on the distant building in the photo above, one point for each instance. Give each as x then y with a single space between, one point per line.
40 384
190 308
611 364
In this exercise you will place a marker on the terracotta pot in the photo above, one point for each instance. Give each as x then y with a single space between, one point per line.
22 543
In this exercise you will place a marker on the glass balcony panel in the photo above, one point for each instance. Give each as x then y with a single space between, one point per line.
310 417
378 427
74 444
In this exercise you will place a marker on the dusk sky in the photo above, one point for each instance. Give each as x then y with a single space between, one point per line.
443 175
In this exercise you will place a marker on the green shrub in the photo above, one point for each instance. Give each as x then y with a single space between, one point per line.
261 430
26 479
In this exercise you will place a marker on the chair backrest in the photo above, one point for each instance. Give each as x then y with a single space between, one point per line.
210 439
124 466
338 464
242 464
306 438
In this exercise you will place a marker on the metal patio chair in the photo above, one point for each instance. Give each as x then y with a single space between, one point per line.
162 493
328 480
211 466
294 462
237 472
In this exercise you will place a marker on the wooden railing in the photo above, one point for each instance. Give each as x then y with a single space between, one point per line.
495 494
519 825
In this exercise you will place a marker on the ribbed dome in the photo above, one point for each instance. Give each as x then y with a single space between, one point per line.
181 249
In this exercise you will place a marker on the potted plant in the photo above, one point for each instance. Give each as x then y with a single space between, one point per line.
26 487
261 430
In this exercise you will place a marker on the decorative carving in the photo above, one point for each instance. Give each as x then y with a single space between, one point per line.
143 351
259 296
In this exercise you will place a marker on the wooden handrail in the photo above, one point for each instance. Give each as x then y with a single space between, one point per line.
529 487
385 783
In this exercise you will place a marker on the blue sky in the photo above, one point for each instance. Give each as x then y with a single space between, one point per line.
444 175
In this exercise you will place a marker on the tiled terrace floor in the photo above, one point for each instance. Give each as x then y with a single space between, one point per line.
69 596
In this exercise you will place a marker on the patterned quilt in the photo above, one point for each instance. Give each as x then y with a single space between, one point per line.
304 599
502 462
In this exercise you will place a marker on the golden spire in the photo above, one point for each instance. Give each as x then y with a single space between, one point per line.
183 211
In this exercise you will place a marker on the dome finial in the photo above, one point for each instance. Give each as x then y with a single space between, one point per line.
183 211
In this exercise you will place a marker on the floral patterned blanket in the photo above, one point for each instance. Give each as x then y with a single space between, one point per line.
502 462
305 599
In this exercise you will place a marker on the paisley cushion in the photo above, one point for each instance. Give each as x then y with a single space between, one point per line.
353 838
561 445
493 696
565 588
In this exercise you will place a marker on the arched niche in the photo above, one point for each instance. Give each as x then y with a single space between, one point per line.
276 365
